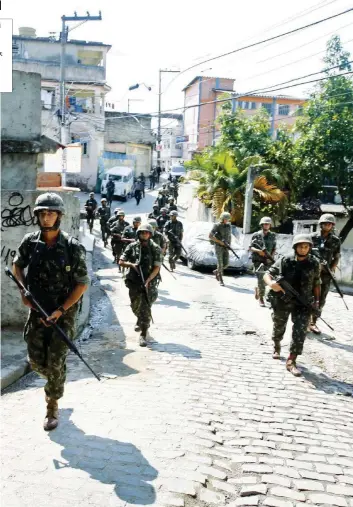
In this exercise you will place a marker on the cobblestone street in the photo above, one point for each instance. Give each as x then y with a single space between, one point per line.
204 416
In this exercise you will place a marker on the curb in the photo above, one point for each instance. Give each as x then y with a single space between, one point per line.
14 373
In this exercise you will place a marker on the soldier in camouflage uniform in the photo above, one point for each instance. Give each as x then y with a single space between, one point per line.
329 249
103 212
117 230
161 199
264 239
162 219
172 206
114 218
302 271
174 230
221 231
155 213
158 237
57 278
146 254
130 232
90 206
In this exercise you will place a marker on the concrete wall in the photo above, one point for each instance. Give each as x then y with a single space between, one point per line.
127 129
19 170
51 70
21 109
17 219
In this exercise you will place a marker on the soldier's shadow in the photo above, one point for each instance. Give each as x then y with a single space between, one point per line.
109 461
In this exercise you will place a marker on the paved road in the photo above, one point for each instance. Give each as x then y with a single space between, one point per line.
204 416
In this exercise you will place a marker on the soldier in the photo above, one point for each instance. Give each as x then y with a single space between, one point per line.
158 237
130 232
262 240
91 206
104 214
110 190
162 219
143 181
161 199
221 231
302 271
155 213
138 191
114 218
152 178
172 206
158 171
57 278
329 249
143 254
173 229
117 230
174 191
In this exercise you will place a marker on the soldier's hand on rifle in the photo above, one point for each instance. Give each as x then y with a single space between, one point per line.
276 287
26 302
262 253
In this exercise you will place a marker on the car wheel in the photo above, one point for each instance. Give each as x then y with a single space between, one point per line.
191 264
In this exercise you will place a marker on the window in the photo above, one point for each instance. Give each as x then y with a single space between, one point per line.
85 148
245 105
267 106
253 105
283 109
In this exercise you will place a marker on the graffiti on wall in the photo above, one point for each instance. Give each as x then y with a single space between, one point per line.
16 214
7 255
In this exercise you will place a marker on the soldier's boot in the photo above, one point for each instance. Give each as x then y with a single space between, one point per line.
215 272
313 327
276 351
261 301
143 336
51 420
292 367
137 326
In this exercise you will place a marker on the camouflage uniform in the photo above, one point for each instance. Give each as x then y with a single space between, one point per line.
104 214
176 228
161 221
304 276
329 249
91 206
159 239
224 233
147 257
154 215
118 227
172 207
52 274
269 242
130 232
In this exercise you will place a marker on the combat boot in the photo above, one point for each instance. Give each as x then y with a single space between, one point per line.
143 337
51 420
262 302
276 351
137 327
292 368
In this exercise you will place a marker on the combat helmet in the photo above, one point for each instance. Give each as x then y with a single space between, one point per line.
266 220
164 209
153 223
49 201
117 210
173 213
137 219
145 228
327 218
225 216
121 213
103 199
302 238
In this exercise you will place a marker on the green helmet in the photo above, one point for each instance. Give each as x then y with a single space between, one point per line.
137 219
327 218
153 223
225 216
173 213
145 228
49 201
164 209
302 238
266 220
155 205
121 213
103 199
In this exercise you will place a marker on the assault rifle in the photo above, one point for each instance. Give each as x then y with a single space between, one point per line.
171 272
323 262
145 291
226 245
177 240
62 335
267 255
290 293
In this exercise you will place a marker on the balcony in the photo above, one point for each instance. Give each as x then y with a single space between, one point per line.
50 70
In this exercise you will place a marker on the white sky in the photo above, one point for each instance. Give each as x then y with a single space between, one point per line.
148 35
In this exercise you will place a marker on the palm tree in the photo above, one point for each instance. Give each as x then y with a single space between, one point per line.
222 181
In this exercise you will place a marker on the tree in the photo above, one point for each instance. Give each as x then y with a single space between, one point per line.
324 150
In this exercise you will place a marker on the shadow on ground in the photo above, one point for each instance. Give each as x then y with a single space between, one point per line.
171 302
324 383
109 461
176 349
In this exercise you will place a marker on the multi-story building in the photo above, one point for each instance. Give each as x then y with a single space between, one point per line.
171 147
202 110
85 90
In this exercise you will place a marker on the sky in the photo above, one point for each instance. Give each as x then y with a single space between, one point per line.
149 35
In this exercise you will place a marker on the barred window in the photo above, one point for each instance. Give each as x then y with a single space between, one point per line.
283 109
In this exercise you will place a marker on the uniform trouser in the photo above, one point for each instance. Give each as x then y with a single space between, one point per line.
300 319
105 231
222 255
260 278
324 290
139 304
47 352
117 247
174 252
110 199
90 221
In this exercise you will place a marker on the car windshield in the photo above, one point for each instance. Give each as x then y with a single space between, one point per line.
126 179
115 177
180 170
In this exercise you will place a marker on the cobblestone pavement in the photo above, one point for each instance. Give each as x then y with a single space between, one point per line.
204 416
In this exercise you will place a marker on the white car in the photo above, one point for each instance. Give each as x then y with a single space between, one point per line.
123 178
177 171
201 253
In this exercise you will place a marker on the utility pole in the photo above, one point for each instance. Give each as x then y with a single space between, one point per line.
159 135
249 191
63 41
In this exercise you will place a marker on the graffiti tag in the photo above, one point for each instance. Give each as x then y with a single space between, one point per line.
17 215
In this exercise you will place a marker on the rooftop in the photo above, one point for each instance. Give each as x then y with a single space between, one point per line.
204 78
54 41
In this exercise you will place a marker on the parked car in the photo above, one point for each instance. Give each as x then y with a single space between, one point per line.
123 178
201 253
177 171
